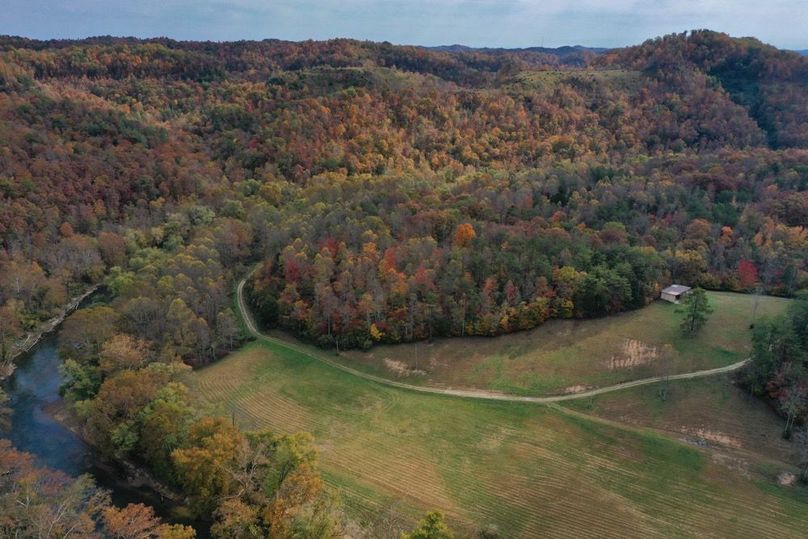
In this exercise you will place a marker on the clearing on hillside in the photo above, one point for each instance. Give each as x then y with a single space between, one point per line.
529 470
735 427
565 356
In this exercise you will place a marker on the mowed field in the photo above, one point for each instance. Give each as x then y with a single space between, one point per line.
529 470
565 356
714 413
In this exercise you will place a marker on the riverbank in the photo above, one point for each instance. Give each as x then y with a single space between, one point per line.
32 338
44 426
134 476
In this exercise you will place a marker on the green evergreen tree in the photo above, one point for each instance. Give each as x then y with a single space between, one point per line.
696 310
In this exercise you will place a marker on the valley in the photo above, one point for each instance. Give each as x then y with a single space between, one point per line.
352 289
509 465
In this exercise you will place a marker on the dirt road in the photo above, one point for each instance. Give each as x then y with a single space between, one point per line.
470 393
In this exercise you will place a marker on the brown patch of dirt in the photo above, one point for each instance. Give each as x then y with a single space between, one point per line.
401 368
634 353
786 479
715 437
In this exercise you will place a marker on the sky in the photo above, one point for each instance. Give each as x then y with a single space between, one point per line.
479 23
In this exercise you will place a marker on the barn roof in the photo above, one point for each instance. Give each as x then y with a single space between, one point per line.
676 289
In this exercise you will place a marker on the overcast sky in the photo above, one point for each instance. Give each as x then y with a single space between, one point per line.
503 23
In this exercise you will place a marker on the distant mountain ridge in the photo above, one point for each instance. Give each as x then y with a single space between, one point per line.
569 55
770 85
566 49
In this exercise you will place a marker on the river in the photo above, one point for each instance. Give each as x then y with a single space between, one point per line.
34 390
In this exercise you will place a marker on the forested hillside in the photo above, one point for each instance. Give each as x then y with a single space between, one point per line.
396 192
385 194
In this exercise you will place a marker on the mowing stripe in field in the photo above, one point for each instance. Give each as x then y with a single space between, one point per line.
533 471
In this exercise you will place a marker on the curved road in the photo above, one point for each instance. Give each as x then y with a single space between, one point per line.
470 393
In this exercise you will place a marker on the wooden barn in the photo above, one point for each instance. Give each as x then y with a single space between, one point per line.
674 292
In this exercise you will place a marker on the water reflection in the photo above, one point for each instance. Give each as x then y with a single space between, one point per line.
33 390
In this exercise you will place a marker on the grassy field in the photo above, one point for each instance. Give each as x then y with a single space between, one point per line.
713 413
528 470
570 355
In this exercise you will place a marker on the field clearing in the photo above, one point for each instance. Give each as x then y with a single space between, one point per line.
710 412
529 470
564 356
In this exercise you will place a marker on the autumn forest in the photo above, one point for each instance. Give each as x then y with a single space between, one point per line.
373 194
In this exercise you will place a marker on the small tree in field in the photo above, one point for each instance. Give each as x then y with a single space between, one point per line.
696 310
431 527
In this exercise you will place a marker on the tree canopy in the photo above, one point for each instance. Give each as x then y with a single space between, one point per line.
695 310
385 194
